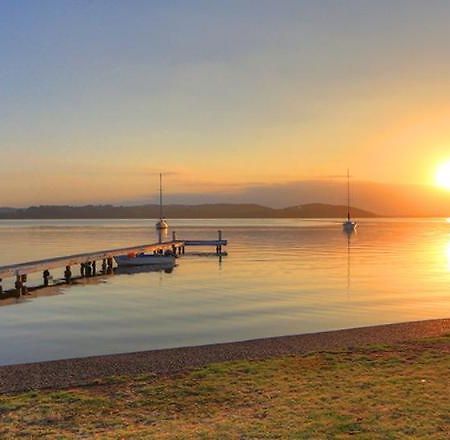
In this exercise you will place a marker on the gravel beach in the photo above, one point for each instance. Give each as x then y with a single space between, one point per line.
82 371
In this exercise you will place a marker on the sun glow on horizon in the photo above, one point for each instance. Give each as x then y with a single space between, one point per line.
443 175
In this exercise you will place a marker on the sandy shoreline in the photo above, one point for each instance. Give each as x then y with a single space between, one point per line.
82 371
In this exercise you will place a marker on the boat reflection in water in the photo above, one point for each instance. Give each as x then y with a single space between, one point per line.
349 235
130 270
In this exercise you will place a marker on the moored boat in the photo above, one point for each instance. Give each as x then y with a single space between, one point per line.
144 260
162 224
130 270
349 225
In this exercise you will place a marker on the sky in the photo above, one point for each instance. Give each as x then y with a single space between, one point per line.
226 98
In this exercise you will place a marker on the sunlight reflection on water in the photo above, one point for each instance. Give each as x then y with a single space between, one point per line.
448 255
280 277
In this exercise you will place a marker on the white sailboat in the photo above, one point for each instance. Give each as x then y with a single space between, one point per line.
349 225
166 259
162 224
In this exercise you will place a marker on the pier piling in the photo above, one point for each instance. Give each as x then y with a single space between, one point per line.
46 276
68 275
20 285
110 265
219 246
88 261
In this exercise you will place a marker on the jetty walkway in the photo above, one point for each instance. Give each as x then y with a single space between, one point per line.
88 261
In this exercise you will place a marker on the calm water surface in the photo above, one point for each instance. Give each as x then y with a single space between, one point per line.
280 277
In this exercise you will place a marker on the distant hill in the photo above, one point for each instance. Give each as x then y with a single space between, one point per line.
321 210
6 210
312 210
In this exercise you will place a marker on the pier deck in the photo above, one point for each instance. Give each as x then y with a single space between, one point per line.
88 260
70 260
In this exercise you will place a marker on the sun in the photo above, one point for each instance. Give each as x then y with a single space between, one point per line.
443 175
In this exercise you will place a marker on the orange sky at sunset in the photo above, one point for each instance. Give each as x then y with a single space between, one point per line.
229 103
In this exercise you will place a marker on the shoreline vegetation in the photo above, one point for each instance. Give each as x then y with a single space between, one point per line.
388 381
204 211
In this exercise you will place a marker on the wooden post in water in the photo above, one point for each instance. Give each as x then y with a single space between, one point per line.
68 275
94 268
46 276
24 284
1 288
219 245
18 285
110 265
104 265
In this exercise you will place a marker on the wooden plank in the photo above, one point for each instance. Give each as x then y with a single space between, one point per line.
70 260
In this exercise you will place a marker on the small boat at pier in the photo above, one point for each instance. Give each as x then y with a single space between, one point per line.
144 260
131 270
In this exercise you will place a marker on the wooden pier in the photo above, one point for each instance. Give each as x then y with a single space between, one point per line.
88 261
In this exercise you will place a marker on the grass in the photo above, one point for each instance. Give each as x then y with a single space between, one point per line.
379 392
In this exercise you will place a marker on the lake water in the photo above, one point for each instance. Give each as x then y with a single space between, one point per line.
280 277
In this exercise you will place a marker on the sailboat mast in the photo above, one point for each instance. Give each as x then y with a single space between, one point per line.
348 194
160 197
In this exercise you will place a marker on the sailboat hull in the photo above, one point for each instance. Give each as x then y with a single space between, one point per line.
349 226
162 225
